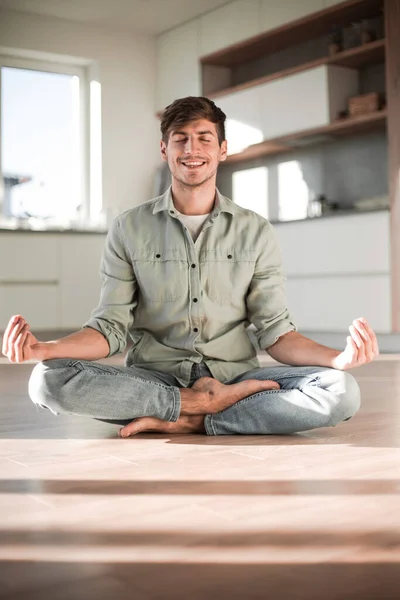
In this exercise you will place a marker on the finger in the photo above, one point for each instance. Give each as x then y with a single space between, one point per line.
352 349
13 337
360 345
20 344
356 336
371 333
368 349
10 327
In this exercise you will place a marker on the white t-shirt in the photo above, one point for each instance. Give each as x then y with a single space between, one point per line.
194 223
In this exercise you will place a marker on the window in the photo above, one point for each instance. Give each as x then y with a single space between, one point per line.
45 158
293 191
250 189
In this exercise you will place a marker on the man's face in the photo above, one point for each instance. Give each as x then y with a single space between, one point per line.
193 152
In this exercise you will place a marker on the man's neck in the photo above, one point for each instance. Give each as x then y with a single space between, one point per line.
193 200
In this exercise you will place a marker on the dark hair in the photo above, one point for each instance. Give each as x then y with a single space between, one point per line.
183 110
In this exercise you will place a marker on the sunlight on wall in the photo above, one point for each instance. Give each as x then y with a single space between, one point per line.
240 136
293 191
250 189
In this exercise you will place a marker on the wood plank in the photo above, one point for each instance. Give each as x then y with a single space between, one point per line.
392 24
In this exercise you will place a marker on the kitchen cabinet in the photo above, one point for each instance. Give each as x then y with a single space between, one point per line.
37 303
328 3
27 257
244 124
337 269
79 277
178 66
275 14
305 100
228 25
329 304
51 279
289 105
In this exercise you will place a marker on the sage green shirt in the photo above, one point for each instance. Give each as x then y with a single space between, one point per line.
183 302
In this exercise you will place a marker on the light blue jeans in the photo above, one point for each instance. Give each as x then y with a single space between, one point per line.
309 397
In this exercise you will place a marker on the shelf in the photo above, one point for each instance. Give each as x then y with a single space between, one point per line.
315 25
367 54
355 58
344 127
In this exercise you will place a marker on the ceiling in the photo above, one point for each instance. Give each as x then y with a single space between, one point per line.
144 16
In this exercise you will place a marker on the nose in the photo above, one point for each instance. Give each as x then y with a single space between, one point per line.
190 145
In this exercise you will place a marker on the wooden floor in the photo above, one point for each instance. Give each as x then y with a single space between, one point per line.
87 515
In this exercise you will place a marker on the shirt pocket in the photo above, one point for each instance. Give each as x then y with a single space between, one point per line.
162 276
227 274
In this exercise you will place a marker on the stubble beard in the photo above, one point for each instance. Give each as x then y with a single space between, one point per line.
197 184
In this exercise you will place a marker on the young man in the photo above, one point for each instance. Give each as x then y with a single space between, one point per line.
184 275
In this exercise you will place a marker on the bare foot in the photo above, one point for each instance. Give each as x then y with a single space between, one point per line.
185 424
210 396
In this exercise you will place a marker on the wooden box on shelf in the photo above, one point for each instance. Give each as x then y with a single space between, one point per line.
364 104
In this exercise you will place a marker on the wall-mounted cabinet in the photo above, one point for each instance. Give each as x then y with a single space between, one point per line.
229 24
275 14
289 105
178 66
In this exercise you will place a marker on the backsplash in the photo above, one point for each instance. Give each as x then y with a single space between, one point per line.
344 171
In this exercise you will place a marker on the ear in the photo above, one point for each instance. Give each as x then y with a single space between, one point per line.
224 150
163 148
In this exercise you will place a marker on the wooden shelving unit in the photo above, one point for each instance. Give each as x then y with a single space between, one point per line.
315 25
343 127
355 58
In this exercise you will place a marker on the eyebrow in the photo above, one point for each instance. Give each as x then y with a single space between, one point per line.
205 132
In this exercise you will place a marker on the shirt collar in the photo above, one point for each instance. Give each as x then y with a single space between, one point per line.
222 204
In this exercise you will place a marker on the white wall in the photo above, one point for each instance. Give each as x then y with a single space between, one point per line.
127 67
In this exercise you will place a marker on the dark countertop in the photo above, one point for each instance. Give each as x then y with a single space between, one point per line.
52 230
343 212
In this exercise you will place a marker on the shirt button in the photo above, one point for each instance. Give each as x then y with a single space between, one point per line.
158 255
229 255
194 299
193 266
195 330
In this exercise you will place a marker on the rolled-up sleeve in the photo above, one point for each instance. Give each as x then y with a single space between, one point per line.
114 313
266 301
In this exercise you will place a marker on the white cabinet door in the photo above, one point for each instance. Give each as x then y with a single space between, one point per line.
328 3
79 277
225 26
178 65
305 100
295 103
37 303
29 257
274 14
358 244
330 304
243 123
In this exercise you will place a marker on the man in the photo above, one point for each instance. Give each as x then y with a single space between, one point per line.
184 275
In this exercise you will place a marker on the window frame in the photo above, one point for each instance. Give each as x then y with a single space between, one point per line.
63 68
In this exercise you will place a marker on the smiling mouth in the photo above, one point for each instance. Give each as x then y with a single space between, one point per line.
193 164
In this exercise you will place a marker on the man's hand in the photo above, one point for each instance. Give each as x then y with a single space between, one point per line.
361 348
19 344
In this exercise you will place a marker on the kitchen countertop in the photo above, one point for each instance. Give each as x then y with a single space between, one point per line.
343 212
328 215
